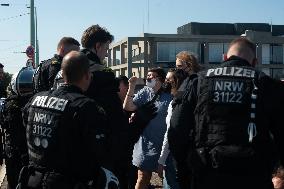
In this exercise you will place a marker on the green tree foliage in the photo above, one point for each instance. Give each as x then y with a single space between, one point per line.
7 79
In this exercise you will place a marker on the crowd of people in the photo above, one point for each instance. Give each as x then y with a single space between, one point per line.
72 124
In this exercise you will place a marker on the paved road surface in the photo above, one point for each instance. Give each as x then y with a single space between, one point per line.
3 182
155 181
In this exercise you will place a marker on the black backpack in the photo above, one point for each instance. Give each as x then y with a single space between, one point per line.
223 155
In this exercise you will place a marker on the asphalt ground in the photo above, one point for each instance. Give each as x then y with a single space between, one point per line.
3 181
156 181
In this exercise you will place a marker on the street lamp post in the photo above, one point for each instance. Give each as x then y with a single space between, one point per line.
33 34
32 24
37 45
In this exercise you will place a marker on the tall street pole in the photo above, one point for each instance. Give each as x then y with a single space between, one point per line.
32 23
37 45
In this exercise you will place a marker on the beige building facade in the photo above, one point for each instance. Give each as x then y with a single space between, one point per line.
135 55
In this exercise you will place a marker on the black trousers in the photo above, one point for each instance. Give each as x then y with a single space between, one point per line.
13 168
132 177
127 176
224 180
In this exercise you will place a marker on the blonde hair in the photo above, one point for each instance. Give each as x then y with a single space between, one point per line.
189 59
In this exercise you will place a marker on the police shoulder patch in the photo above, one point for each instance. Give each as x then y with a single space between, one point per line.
54 62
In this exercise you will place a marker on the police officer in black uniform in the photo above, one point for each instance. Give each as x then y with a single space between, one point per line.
3 92
66 133
3 95
19 92
48 69
231 119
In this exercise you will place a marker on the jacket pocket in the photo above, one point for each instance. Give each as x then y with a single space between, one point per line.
233 158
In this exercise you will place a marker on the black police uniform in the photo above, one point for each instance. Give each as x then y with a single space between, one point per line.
15 140
67 138
224 139
46 73
103 89
58 81
19 92
3 93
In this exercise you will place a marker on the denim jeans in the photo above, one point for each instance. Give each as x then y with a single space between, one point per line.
169 181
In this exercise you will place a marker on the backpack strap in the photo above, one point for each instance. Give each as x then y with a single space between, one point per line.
252 131
37 78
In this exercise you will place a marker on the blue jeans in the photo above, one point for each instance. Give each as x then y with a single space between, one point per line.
169 181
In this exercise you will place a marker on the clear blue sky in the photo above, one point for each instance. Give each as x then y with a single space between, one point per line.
58 18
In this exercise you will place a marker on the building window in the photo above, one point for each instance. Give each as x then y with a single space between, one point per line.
266 71
133 52
265 54
118 57
276 54
167 51
217 51
277 73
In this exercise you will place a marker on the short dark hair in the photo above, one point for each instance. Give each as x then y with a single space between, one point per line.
75 66
160 72
95 34
123 79
67 41
245 43
1 65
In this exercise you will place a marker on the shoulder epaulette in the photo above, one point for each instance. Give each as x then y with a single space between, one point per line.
44 62
54 61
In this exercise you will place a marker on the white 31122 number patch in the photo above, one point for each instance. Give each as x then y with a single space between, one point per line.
226 91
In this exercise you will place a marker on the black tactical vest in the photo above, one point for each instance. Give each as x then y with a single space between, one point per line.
50 120
45 74
231 130
223 107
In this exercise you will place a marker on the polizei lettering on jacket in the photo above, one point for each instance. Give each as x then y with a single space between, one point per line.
231 71
50 102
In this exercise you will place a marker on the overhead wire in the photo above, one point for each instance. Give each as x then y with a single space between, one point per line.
13 17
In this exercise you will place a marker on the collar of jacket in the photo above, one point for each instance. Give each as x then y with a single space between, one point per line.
237 61
95 63
70 88
58 57
91 56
